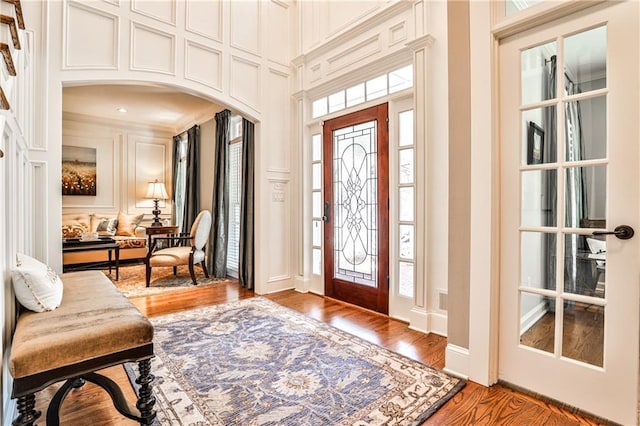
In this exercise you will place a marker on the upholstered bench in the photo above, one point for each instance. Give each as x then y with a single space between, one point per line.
94 327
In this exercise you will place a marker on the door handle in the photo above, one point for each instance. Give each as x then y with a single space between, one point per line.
624 232
325 216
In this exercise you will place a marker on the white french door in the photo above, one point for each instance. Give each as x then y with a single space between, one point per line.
569 299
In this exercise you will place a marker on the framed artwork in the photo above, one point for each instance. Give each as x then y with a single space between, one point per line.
78 170
535 144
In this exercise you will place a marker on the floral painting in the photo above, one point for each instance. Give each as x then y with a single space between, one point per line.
78 170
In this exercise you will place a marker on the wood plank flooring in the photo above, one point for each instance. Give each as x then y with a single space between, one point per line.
474 405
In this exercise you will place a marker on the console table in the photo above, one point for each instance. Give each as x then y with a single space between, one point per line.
77 245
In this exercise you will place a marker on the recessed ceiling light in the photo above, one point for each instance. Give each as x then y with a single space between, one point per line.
121 109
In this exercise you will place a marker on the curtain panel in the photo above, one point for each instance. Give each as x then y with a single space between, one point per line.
246 244
174 178
219 237
192 184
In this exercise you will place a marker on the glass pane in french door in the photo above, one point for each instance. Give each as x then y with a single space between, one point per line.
355 183
563 194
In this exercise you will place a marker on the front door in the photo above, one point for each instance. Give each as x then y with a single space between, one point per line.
569 177
356 208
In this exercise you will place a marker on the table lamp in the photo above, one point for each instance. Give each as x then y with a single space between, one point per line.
157 192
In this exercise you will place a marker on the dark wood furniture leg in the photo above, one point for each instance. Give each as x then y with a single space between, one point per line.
117 263
204 268
145 403
27 412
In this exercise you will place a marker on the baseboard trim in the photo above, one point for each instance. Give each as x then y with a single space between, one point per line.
418 320
437 323
532 317
457 361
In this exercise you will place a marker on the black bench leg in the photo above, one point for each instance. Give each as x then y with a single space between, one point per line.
146 400
27 412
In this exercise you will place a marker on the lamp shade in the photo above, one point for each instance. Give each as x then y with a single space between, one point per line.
156 191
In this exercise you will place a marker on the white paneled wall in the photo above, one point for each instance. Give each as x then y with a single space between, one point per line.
234 53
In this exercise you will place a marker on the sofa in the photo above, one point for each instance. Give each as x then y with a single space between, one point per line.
125 229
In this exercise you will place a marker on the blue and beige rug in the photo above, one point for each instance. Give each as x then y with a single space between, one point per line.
254 362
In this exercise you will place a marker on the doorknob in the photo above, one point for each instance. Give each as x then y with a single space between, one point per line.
624 232
325 217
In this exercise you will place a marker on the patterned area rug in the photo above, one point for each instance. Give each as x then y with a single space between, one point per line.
254 362
132 280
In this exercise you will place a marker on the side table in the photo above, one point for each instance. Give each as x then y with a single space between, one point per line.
159 230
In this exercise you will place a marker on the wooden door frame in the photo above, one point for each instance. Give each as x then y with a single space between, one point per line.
378 300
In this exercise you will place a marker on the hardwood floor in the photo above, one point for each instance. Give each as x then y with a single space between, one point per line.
474 405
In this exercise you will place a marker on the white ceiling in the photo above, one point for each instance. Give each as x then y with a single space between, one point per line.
155 106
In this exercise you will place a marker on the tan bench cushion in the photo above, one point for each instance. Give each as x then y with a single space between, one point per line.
94 319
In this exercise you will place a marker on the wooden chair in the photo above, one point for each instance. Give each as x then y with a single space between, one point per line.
183 249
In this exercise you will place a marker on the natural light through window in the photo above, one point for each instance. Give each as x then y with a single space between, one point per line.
375 88
316 195
406 188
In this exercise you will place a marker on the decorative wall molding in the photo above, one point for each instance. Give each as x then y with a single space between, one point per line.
359 29
39 172
205 19
278 46
354 54
398 33
91 38
147 161
245 26
161 58
279 232
244 84
203 64
421 42
152 9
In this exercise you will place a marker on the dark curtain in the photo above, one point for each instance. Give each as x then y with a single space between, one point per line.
192 185
246 246
549 181
577 267
174 176
219 237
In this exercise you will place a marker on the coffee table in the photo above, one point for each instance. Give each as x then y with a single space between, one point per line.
70 245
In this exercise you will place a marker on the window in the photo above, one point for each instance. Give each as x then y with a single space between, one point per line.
377 87
316 195
234 179
181 181
406 197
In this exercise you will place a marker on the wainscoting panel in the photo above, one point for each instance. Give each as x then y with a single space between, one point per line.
148 161
205 18
277 123
245 81
39 207
152 50
203 65
163 11
279 233
245 26
278 45
91 39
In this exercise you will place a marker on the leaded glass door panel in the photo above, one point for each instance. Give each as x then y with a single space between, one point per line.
356 208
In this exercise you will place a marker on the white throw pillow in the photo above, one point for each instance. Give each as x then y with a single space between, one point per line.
37 286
